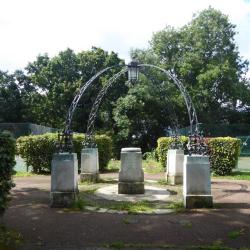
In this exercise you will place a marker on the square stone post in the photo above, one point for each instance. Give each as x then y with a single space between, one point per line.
174 173
197 182
89 165
131 176
64 179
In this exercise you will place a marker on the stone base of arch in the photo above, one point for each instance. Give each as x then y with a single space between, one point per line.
89 177
175 179
131 188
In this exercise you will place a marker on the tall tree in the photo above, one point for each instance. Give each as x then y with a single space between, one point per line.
10 99
205 57
149 108
58 79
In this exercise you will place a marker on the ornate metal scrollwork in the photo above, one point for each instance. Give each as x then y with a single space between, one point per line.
188 101
65 138
197 144
65 141
89 141
89 136
175 142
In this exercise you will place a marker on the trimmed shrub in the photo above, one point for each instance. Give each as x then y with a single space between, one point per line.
7 163
223 154
163 144
37 150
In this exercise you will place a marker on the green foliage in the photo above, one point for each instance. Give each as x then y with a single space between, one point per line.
79 204
236 175
223 154
18 97
205 57
113 165
10 99
24 174
61 77
38 150
202 54
151 166
143 114
236 234
163 145
7 163
104 144
9 239
150 155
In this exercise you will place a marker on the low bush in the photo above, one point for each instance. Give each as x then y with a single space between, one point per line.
223 154
7 163
37 150
163 145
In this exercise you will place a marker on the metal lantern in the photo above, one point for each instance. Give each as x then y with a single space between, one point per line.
133 71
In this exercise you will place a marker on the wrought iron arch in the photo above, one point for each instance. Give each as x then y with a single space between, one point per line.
188 101
89 142
78 97
189 104
65 138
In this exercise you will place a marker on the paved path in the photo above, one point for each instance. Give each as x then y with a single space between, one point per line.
47 228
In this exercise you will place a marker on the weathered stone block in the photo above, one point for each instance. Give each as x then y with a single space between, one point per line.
62 199
131 176
64 179
198 201
64 173
89 164
174 180
131 188
197 182
89 177
174 166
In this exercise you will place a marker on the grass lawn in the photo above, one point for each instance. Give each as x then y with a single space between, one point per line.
149 166
87 198
237 175
9 239
23 174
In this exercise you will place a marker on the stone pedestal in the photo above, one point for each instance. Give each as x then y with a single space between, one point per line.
197 182
64 179
174 173
131 176
89 165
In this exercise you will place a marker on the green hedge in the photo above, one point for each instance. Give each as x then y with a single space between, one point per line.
7 163
223 154
37 150
163 144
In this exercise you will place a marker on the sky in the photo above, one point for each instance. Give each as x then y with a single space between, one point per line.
32 27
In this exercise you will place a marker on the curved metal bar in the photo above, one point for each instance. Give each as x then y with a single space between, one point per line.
188 101
89 142
89 138
79 95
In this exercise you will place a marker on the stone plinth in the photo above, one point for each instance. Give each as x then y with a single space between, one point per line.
64 179
174 172
89 165
197 182
131 176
